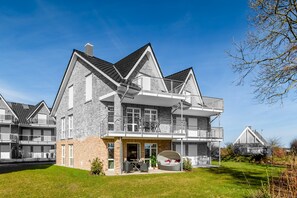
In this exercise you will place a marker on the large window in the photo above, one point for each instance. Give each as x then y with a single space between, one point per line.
111 155
70 98
63 128
71 155
70 128
133 119
110 118
42 118
150 120
149 150
63 155
89 87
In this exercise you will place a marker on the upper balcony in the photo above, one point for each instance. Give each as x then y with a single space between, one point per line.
7 119
37 140
42 122
8 137
165 92
144 127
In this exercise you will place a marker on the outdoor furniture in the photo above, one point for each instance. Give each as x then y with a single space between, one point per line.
143 167
169 160
127 167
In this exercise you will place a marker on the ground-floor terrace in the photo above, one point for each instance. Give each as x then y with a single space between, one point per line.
115 151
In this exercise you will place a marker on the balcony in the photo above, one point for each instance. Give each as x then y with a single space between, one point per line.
143 127
37 140
128 126
8 137
42 122
7 119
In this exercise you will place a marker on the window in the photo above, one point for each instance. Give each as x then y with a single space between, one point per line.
111 155
70 98
150 120
110 118
149 150
188 96
133 119
71 155
146 83
70 128
63 128
63 155
2 114
42 118
89 87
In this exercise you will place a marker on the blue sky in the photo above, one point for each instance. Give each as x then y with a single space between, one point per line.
37 39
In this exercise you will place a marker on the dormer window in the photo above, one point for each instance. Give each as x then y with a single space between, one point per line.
42 118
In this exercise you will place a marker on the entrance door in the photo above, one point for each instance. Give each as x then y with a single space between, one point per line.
133 119
149 150
133 152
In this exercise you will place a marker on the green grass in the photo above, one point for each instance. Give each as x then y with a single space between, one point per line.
232 179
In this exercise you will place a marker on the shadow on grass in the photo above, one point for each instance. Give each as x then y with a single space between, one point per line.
250 177
8 168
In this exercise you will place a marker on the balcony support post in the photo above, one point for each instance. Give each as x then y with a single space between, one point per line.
182 154
219 153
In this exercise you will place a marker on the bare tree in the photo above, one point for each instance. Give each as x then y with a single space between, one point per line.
293 146
268 55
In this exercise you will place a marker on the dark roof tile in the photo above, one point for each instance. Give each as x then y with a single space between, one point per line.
125 65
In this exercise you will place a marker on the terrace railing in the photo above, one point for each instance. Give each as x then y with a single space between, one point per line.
36 138
8 137
37 121
7 119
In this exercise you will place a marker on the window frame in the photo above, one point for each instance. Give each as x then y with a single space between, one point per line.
71 155
70 126
70 99
63 158
89 87
63 128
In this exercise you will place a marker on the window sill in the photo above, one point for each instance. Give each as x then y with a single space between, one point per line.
70 109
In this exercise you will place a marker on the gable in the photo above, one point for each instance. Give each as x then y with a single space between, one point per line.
6 108
40 108
248 137
191 87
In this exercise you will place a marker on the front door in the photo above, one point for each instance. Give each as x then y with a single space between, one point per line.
133 119
133 152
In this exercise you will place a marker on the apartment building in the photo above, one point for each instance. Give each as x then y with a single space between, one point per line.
128 110
26 131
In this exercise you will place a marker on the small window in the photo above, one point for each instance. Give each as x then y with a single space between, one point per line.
62 128
111 155
110 118
70 130
188 96
146 83
42 118
89 87
63 155
70 98
71 162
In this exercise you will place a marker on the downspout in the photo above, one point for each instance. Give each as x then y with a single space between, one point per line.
181 142
122 98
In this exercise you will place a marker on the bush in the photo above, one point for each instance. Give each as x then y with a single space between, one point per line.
293 146
187 164
153 161
97 167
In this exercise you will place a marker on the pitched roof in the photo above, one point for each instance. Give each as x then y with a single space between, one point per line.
21 111
106 67
178 78
125 65
261 137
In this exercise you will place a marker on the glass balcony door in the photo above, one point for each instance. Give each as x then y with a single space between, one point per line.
133 119
150 120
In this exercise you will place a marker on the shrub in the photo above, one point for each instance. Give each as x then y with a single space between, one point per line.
293 146
153 161
97 167
187 164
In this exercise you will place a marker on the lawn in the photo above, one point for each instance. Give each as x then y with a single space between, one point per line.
232 179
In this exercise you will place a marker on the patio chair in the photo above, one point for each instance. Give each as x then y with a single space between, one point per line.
127 167
143 167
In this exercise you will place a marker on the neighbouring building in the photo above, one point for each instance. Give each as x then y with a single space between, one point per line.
251 142
26 131
128 110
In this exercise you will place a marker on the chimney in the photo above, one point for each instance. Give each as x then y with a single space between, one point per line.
89 49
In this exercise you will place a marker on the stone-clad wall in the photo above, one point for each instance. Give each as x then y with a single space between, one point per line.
87 116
